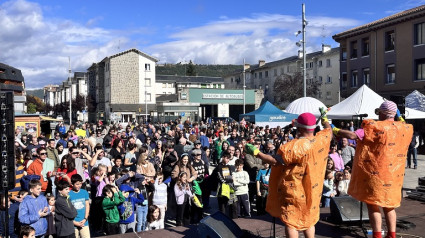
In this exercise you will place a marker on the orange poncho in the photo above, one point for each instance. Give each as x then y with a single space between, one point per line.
295 188
378 167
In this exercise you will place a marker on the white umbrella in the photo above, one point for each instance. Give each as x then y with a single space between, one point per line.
305 104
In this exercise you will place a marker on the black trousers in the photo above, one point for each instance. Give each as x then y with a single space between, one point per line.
112 228
183 214
196 212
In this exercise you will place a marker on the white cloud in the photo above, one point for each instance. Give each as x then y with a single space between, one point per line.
261 36
40 47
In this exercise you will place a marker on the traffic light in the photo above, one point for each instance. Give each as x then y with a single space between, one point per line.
7 140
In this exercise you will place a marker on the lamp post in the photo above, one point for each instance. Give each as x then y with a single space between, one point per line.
146 103
244 86
304 56
70 91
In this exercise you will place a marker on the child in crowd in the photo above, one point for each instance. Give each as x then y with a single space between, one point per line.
27 232
160 196
34 209
127 208
328 188
154 218
262 179
112 198
80 199
65 212
344 183
241 181
183 195
51 229
111 178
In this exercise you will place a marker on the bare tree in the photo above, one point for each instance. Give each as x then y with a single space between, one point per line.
288 88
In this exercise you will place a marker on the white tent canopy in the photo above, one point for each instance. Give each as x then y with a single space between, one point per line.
305 104
365 101
416 100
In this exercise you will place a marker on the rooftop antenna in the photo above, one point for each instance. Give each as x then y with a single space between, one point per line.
119 44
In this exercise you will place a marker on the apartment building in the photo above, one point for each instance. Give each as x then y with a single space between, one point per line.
388 55
321 66
127 82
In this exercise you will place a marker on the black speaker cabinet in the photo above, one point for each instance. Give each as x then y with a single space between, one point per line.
347 209
218 225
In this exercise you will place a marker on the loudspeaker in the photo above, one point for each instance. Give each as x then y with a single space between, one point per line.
7 140
218 225
347 209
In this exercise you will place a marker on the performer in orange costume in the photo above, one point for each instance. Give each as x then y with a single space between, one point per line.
296 179
379 164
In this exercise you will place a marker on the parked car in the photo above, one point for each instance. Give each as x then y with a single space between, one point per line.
59 117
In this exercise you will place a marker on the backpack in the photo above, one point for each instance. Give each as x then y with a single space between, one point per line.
25 181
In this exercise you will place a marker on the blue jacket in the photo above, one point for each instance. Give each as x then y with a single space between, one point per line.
28 213
128 207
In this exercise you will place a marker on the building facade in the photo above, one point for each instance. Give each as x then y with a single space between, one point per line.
11 79
127 82
388 55
321 66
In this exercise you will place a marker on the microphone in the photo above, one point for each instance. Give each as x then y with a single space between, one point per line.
361 115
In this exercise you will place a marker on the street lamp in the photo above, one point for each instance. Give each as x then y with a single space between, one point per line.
70 91
146 103
244 86
302 42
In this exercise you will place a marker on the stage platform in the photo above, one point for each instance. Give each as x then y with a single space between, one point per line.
411 211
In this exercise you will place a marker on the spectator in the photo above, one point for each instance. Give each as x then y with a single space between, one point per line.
130 158
413 151
241 181
118 166
66 170
112 198
347 152
80 200
344 183
34 209
336 158
65 212
262 181
154 218
27 232
127 208
52 153
328 188
37 167
183 195
183 165
160 197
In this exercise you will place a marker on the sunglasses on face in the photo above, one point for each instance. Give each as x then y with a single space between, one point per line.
75 153
43 153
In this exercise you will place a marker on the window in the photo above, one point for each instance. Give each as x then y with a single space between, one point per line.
420 69
320 63
260 75
389 40
164 85
420 33
354 77
148 97
255 75
344 80
328 95
366 76
390 74
261 86
275 72
320 79
328 62
203 86
353 46
365 46
282 70
329 79
147 82
320 95
147 67
343 54
266 74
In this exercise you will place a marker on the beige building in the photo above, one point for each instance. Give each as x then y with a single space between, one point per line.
321 66
127 84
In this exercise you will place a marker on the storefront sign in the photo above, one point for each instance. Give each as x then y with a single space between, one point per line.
222 96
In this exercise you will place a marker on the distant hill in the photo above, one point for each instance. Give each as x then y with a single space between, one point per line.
36 92
201 69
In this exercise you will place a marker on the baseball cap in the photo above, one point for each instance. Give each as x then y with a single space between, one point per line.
306 120
197 142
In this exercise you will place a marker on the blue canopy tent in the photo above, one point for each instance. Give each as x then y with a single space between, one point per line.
268 114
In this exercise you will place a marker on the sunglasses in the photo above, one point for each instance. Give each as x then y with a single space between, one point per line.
43 153
75 153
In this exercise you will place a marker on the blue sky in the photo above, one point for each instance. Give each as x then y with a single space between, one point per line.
38 36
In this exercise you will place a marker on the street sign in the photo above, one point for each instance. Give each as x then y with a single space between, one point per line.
182 114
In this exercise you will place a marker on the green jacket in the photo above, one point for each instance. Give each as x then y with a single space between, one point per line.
110 207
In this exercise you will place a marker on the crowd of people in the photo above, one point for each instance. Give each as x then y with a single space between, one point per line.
95 179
